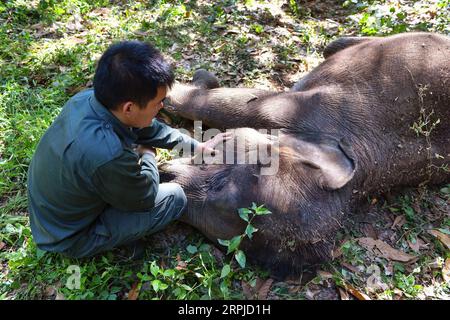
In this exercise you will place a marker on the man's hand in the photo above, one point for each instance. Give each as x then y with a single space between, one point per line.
209 145
145 149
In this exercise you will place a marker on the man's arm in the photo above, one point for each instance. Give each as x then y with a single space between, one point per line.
160 135
126 185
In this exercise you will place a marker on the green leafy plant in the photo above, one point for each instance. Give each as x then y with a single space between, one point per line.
233 245
352 252
195 275
407 284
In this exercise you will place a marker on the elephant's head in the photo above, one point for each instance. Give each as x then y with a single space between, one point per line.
300 180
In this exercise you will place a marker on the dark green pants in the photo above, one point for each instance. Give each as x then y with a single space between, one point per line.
114 227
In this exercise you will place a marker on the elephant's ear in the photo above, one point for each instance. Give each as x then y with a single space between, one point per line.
332 161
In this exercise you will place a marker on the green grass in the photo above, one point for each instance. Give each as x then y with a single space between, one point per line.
48 51
388 17
189 270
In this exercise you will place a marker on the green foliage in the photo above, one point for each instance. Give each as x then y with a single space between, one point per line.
257 28
407 284
23 126
295 8
194 273
392 16
13 229
246 214
352 252
446 190
33 272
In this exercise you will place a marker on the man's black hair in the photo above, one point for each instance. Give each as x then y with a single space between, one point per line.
130 71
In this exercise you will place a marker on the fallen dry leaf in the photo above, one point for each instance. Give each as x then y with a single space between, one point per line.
310 294
141 33
446 270
419 244
389 268
60 296
247 289
336 253
350 267
293 290
77 40
134 292
417 208
414 246
2 245
399 221
382 249
188 56
49 291
37 26
264 290
428 291
374 282
369 231
356 293
258 284
444 238
324 274
343 294
100 12
260 291
435 263
181 265
398 294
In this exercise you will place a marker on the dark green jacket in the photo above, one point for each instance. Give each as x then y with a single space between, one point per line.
85 162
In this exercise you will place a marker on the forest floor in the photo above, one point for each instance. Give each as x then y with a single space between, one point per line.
397 247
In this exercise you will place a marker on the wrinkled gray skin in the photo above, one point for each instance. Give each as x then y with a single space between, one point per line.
345 134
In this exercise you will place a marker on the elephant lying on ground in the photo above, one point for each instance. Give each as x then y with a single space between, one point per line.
372 117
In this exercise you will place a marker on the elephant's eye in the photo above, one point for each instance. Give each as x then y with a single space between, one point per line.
218 180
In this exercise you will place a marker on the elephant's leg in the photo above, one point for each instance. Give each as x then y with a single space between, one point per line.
202 79
219 108
205 79
332 48
343 43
